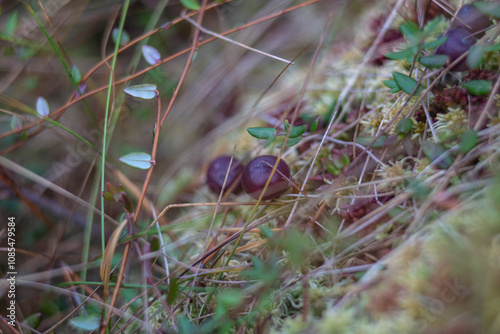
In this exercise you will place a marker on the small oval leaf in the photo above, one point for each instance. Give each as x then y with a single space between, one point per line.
435 44
42 107
15 123
365 141
297 131
406 83
11 26
261 133
399 55
293 141
435 61
75 73
468 141
478 87
123 40
86 323
139 160
435 152
314 125
190 4
390 83
151 55
404 126
475 56
144 91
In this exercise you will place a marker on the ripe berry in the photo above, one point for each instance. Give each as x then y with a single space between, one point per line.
459 41
216 174
469 18
257 172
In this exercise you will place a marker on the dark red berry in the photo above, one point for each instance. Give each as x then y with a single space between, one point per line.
216 174
459 41
469 18
257 172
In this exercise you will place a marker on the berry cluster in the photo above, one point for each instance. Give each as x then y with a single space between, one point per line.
253 176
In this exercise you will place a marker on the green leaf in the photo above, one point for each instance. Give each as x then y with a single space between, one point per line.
297 131
186 326
390 83
435 61
139 160
293 141
406 83
492 48
488 8
435 43
270 140
11 26
395 90
144 91
173 291
15 123
365 141
86 323
478 87
411 31
468 141
399 55
314 125
286 125
125 38
435 151
431 26
475 56
404 126
190 4
75 74
42 107
266 232
260 132
33 320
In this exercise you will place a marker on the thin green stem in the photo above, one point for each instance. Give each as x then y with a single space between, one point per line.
106 116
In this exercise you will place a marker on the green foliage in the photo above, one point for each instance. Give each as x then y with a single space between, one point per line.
86 323
434 61
173 291
435 152
190 4
365 141
124 39
404 126
261 132
488 8
407 84
75 74
468 141
11 25
33 320
478 87
270 134
391 83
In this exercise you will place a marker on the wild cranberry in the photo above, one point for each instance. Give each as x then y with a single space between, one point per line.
217 171
257 172
459 41
469 18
